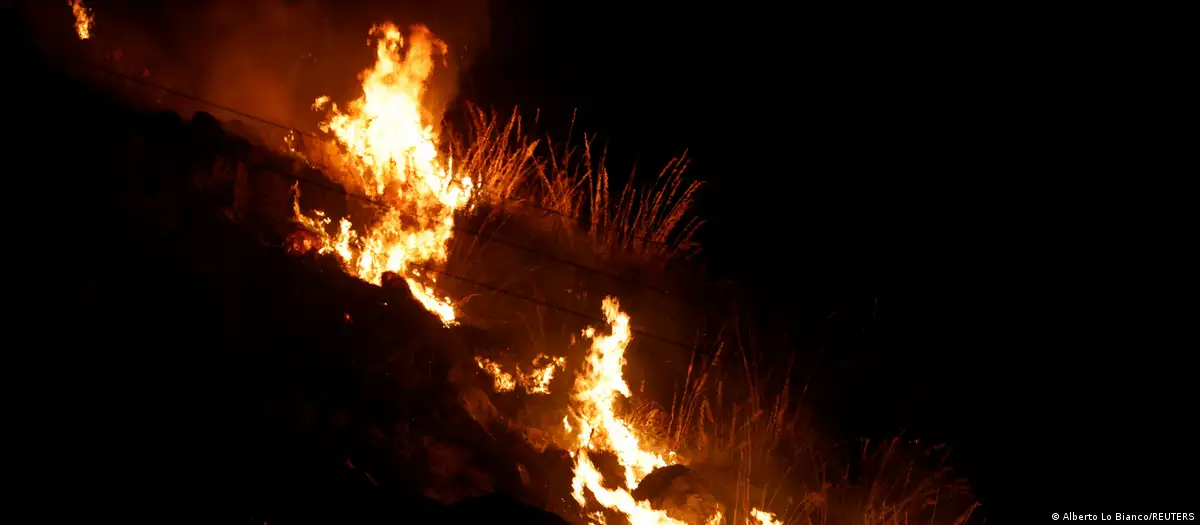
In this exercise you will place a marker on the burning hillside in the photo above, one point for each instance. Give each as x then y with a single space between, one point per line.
601 461
389 153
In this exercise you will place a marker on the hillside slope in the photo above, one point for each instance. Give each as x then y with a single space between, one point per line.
209 369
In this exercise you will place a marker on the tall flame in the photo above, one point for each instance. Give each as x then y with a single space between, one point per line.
599 428
83 19
390 152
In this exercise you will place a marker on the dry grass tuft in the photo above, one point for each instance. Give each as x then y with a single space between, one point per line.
570 185
498 155
735 417
743 427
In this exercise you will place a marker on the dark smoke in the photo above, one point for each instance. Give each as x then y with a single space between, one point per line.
270 58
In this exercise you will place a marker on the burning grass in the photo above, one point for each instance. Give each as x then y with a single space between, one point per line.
734 423
745 428
651 220
421 192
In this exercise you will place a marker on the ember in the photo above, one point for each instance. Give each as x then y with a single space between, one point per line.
535 381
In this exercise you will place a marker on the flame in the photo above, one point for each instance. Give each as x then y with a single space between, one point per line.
83 19
598 428
764 518
503 380
390 153
536 381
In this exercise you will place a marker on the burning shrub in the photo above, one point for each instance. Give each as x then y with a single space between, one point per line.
570 187
748 438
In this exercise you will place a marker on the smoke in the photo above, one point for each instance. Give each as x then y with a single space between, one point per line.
271 58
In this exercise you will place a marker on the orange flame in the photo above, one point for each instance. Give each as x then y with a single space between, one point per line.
536 381
764 518
503 380
83 19
599 428
390 151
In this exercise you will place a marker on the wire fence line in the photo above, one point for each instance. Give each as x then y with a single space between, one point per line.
334 187
517 295
527 298
337 188
314 135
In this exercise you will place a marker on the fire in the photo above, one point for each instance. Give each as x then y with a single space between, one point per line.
503 380
83 19
536 381
390 153
599 428
764 518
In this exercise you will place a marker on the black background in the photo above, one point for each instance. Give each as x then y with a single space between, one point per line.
855 179
955 206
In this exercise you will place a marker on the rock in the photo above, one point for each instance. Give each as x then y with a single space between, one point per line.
207 137
446 461
499 508
365 504
453 474
680 492
245 132
206 125
162 124
477 403
722 480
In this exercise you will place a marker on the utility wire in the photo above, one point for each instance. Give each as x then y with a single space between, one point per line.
310 134
339 189
552 306
523 297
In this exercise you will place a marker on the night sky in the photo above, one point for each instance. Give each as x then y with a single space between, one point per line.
846 180
905 190
925 196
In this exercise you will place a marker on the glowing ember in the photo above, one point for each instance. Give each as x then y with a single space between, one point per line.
503 380
764 518
390 153
536 381
83 19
